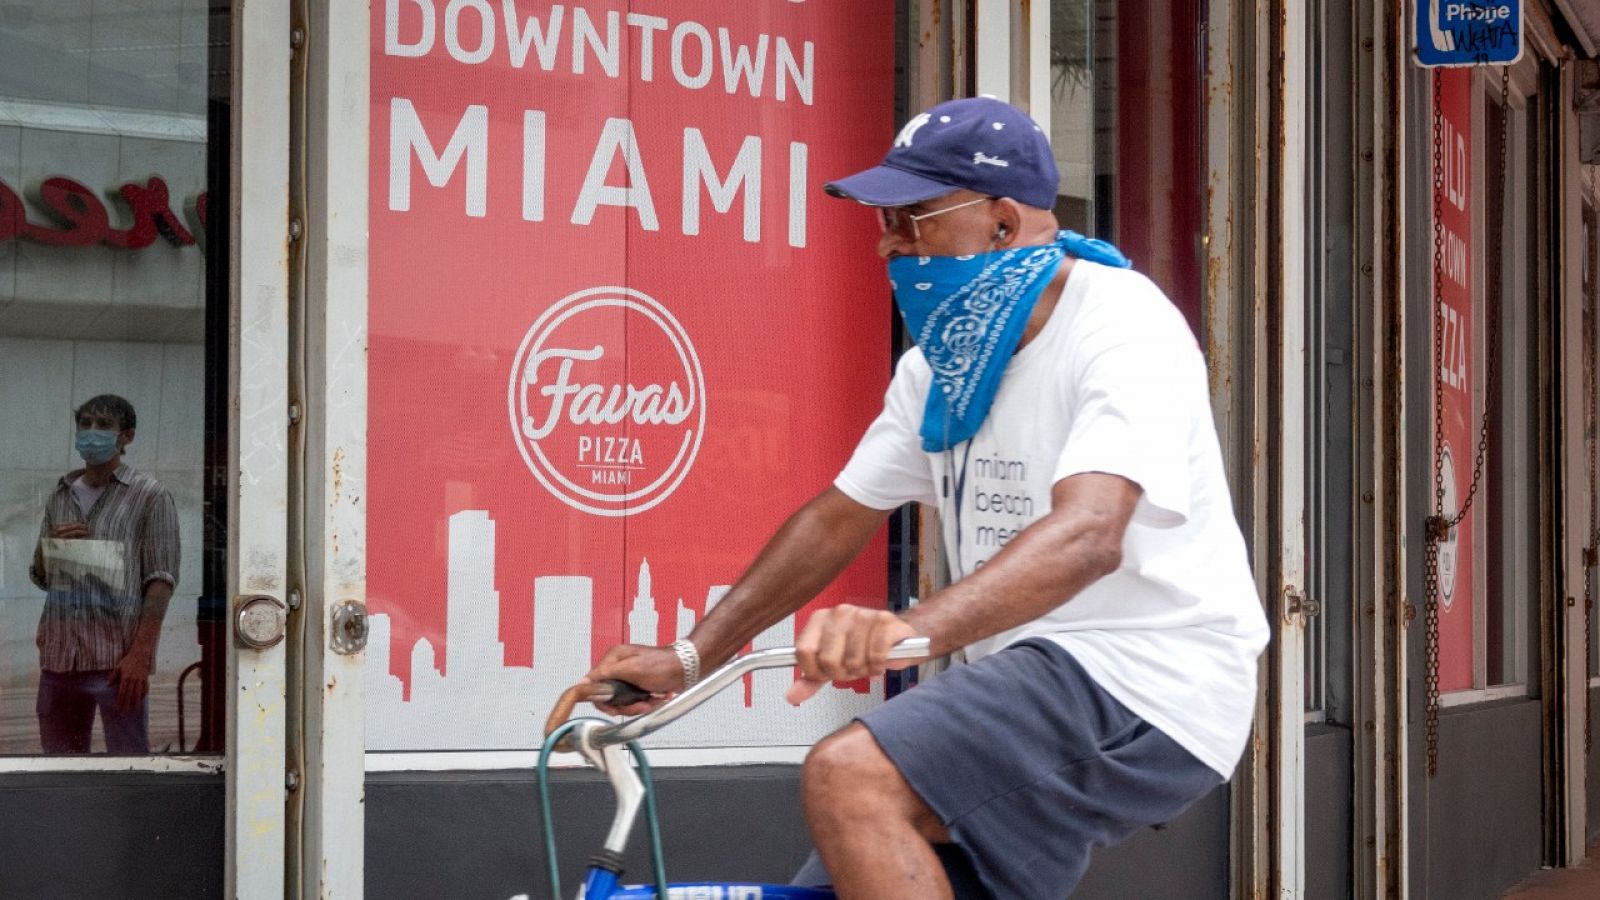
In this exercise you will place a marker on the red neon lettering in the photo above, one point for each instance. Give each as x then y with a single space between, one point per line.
85 220
10 212
76 207
152 215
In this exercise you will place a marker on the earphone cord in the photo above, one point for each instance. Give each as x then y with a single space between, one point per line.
960 490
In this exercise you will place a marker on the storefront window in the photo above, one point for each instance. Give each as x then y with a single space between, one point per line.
112 447
1513 470
1591 316
618 334
1495 364
1126 91
1330 363
1077 76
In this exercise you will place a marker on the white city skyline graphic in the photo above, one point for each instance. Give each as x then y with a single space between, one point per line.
480 703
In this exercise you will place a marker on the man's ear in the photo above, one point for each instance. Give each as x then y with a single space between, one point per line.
1008 222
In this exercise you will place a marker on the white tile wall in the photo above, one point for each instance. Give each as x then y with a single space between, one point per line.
183 392
53 48
68 22
22 496
132 371
186 488
136 53
119 24
194 56
194 29
35 403
19 672
194 80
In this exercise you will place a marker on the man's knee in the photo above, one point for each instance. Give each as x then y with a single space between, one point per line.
848 776
845 762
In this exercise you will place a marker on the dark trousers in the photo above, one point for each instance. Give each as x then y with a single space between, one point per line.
66 707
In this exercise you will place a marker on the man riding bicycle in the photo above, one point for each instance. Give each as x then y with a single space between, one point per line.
1056 412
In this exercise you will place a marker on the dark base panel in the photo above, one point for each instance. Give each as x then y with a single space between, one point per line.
443 834
477 834
1594 765
1485 825
1329 787
90 834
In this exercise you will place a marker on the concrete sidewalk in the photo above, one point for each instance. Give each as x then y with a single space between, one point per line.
1579 883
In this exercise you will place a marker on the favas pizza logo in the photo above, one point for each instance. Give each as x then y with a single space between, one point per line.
607 401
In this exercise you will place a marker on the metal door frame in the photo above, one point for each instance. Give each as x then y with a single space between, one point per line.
1569 197
258 433
330 101
1254 333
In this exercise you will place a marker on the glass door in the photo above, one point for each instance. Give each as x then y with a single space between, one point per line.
142 455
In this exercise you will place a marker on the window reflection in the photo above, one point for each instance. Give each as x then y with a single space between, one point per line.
107 559
1072 110
110 637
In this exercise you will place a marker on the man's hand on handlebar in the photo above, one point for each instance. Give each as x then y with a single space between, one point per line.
844 643
655 669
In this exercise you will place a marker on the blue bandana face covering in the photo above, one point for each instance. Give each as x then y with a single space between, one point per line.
967 313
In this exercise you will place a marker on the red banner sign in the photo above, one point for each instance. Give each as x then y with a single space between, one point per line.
1454 318
618 333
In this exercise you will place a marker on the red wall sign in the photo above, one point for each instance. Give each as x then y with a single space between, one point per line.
1453 189
82 219
618 333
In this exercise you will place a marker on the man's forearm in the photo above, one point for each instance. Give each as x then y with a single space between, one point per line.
147 635
1046 565
806 554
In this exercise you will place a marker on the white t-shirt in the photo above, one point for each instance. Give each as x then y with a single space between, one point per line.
1113 383
86 494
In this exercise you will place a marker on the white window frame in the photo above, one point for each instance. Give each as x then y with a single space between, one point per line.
1012 54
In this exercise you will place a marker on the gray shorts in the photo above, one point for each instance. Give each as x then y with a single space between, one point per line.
1030 765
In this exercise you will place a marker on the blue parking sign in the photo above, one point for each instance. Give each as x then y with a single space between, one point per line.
1468 32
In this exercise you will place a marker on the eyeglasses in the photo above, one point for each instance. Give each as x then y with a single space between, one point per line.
904 223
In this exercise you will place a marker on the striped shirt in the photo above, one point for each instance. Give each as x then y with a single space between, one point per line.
94 586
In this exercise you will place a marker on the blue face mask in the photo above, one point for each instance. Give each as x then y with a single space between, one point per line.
967 313
96 445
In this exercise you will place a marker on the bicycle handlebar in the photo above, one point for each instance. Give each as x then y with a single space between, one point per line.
648 723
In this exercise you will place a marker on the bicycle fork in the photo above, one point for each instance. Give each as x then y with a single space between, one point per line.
605 868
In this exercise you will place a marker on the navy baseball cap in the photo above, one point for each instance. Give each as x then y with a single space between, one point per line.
978 143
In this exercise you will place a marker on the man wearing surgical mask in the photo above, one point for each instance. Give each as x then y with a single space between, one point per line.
107 559
1056 413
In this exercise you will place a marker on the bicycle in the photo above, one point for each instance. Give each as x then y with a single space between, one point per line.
607 746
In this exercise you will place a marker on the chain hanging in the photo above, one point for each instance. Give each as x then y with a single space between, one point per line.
1440 525
1430 550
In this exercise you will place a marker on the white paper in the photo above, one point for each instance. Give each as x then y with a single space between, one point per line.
76 559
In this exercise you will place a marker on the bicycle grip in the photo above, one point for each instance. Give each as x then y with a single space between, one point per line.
622 693
612 690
